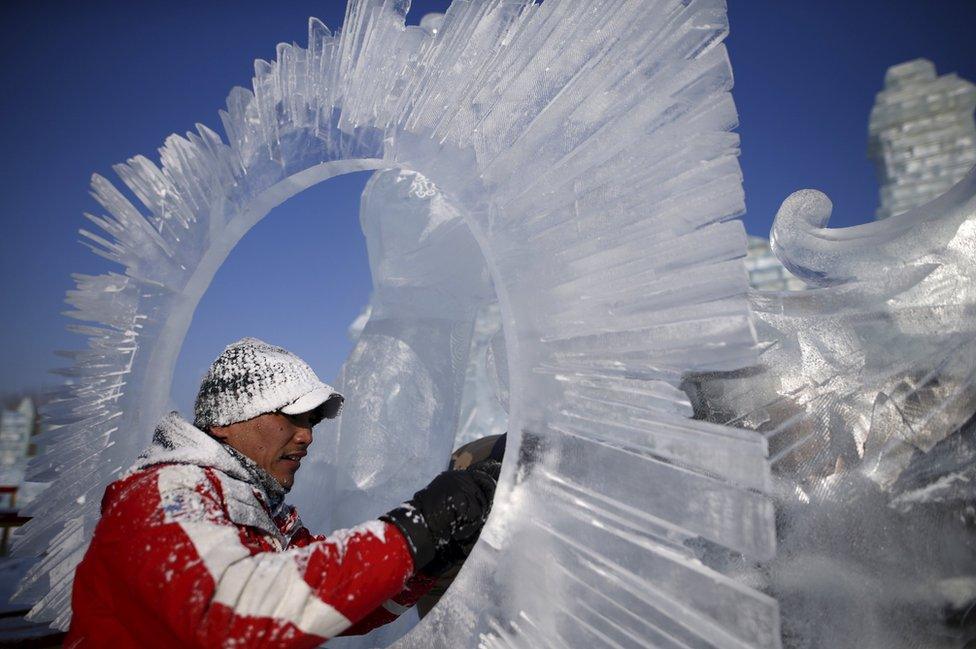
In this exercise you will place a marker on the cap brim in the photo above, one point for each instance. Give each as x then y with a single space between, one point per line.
321 396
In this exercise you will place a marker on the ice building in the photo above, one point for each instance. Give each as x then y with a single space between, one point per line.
16 429
766 272
18 443
922 136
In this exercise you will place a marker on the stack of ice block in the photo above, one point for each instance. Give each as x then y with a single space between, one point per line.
922 137
766 271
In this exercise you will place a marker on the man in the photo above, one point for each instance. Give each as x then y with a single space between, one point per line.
196 548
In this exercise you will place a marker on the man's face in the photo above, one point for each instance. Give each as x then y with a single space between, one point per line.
275 441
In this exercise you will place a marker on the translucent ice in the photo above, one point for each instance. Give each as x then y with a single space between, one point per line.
591 199
866 394
484 398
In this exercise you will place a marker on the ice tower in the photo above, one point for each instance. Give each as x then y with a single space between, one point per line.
922 137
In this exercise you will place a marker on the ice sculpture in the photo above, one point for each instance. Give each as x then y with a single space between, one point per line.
599 196
587 181
484 401
922 135
866 396
406 372
484 397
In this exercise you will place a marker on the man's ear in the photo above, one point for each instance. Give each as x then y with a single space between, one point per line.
220 432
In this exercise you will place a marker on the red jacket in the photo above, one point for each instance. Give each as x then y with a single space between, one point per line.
193 551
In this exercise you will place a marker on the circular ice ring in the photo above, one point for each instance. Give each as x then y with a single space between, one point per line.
582 227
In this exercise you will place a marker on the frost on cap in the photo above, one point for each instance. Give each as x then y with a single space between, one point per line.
251 378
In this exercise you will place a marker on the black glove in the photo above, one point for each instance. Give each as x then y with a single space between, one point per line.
454 553
450 556
490 467
445 514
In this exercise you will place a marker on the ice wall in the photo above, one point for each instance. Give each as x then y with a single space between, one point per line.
588 152
922 136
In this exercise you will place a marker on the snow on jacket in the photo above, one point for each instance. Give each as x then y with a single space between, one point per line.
195 548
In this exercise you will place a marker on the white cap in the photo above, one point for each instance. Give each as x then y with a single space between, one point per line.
251 378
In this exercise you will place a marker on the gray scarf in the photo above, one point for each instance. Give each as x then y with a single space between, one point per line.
273 490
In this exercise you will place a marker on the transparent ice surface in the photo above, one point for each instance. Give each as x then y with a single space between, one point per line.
587 182
424 348
484 401
591 200
866 397
484 397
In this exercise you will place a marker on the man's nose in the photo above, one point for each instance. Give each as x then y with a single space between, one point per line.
304 436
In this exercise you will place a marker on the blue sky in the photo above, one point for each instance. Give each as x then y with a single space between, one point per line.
87 85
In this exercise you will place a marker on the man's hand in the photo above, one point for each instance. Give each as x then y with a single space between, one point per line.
446 514
456 504
490 467
454 553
